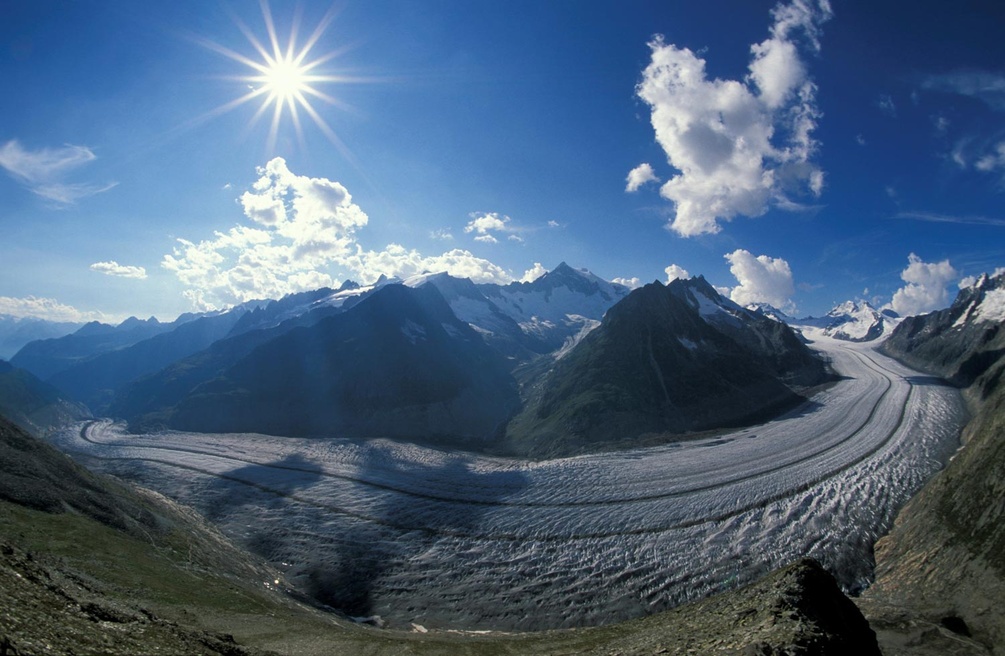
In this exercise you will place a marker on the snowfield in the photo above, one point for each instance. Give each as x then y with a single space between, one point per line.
460 541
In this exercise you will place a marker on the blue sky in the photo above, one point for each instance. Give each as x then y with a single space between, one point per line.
804 153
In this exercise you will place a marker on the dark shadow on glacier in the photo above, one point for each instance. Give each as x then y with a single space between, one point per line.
931 381
345 574
804 409
239 487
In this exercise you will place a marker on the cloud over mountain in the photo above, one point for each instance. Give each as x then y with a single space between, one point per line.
302 235
762 279
45 308
675 272
738 146
926 288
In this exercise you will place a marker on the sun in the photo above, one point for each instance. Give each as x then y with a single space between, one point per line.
284 78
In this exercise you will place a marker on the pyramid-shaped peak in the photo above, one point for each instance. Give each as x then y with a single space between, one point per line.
695 283
564 269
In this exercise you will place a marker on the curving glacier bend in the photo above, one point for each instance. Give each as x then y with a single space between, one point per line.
461 541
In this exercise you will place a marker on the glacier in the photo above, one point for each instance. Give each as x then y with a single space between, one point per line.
454 540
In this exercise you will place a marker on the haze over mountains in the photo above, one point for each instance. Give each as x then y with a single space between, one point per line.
15 332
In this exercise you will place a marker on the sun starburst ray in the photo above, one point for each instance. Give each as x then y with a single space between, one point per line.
270 27
286 75
331 100
318 32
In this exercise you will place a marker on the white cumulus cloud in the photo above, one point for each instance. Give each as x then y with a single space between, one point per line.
533 273
675 272
631 283
738 145
926 289
484 224
396 260
301 233
762 279
113 268
302 225
43 171
640 175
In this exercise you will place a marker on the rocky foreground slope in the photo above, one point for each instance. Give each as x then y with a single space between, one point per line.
940 573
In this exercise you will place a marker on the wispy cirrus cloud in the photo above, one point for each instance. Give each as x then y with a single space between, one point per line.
935 217
980 150
739 146
986 86
113 268
886 105
43 171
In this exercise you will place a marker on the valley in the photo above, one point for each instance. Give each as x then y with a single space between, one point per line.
442 539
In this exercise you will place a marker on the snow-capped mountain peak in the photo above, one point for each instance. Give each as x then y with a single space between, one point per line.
534 317
769 311
555 298
853 321
710 304
986 302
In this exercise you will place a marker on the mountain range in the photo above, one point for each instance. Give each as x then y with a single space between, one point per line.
489 367
852 321
565 363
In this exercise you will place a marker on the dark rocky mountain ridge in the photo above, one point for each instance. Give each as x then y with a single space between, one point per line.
399 364
665 360
941 570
